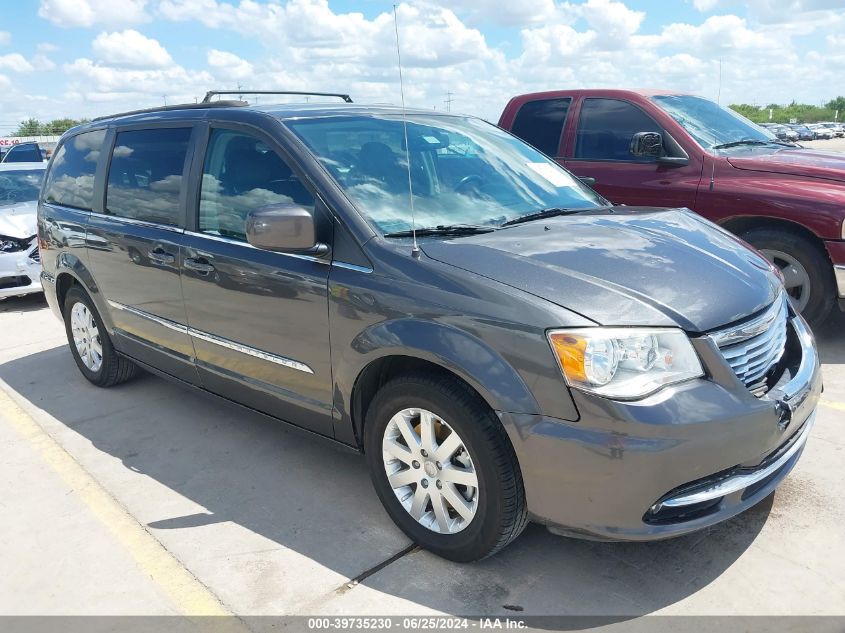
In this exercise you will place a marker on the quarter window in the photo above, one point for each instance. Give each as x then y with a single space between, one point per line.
540 123
145 176
605 129
242 173
71 179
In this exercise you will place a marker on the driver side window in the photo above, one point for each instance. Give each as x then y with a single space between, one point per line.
242 173
606 127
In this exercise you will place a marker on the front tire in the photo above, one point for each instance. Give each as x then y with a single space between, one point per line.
444 468
807 271
90 344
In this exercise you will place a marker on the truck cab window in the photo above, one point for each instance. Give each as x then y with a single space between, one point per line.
605 129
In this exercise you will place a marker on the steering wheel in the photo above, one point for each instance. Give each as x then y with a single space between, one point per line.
473 180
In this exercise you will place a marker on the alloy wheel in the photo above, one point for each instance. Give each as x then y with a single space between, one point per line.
430 470
795 276
86 337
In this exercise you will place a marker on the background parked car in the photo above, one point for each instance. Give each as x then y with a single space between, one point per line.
20 264
778 130
804 133
676 150
821 131
25 153
837 128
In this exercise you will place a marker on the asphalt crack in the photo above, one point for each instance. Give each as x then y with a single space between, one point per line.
354 582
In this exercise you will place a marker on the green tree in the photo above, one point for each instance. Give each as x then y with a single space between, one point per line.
60 126
30 127
34 127
837 104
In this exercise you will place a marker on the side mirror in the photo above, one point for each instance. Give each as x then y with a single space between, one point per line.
647 144
285 228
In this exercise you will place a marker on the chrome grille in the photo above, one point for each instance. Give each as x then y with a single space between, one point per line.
753 348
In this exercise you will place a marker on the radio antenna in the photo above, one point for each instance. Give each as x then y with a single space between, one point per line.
415 250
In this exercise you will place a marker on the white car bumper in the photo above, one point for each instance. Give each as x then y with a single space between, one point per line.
20 272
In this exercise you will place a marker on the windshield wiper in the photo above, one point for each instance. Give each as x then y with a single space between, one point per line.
745 141
548 213
444 229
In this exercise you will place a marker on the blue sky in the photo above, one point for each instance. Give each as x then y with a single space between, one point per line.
90 57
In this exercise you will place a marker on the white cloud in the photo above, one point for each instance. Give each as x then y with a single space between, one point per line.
100 82
512 13
129 48
228 65
5 38
542 44
87 13
705 5
15 62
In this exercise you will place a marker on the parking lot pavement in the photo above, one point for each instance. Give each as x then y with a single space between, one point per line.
831 144
267 520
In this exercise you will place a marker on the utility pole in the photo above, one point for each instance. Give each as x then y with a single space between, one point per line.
448 101
165 99
240 96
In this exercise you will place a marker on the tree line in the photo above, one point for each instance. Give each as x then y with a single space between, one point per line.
56 127
801 112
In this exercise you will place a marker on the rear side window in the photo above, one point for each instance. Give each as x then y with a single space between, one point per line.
540 123
24 153
145 175
71 178
605 129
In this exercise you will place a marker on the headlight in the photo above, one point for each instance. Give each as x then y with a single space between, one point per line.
624 363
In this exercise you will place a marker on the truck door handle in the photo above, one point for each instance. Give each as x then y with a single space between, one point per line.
160 256
200 265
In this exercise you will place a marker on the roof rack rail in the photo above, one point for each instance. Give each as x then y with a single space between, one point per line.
233 103
211 93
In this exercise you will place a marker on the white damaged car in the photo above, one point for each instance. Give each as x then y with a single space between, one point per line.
20 264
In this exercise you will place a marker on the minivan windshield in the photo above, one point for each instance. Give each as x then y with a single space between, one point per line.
464 171
710 124
19 185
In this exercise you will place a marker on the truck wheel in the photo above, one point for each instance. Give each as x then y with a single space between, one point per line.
444 468
90 344
806 270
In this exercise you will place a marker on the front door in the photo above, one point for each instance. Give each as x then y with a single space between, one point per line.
258 319
134 247
601 150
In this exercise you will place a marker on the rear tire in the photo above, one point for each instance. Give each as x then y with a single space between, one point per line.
496 507
780 246
90 344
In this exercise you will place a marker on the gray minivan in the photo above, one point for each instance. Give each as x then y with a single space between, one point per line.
500 342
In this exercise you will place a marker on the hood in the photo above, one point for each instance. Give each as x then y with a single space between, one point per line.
797 162
631 266
18 220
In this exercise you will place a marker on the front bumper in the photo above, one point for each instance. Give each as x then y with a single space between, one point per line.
836 252
685 458
20 273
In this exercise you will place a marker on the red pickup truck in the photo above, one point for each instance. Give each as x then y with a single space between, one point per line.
678 150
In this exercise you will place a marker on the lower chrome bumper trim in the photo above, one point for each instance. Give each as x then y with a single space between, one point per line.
839 272
741 481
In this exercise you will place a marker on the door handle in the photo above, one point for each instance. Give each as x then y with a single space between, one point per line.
160 256
200 265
